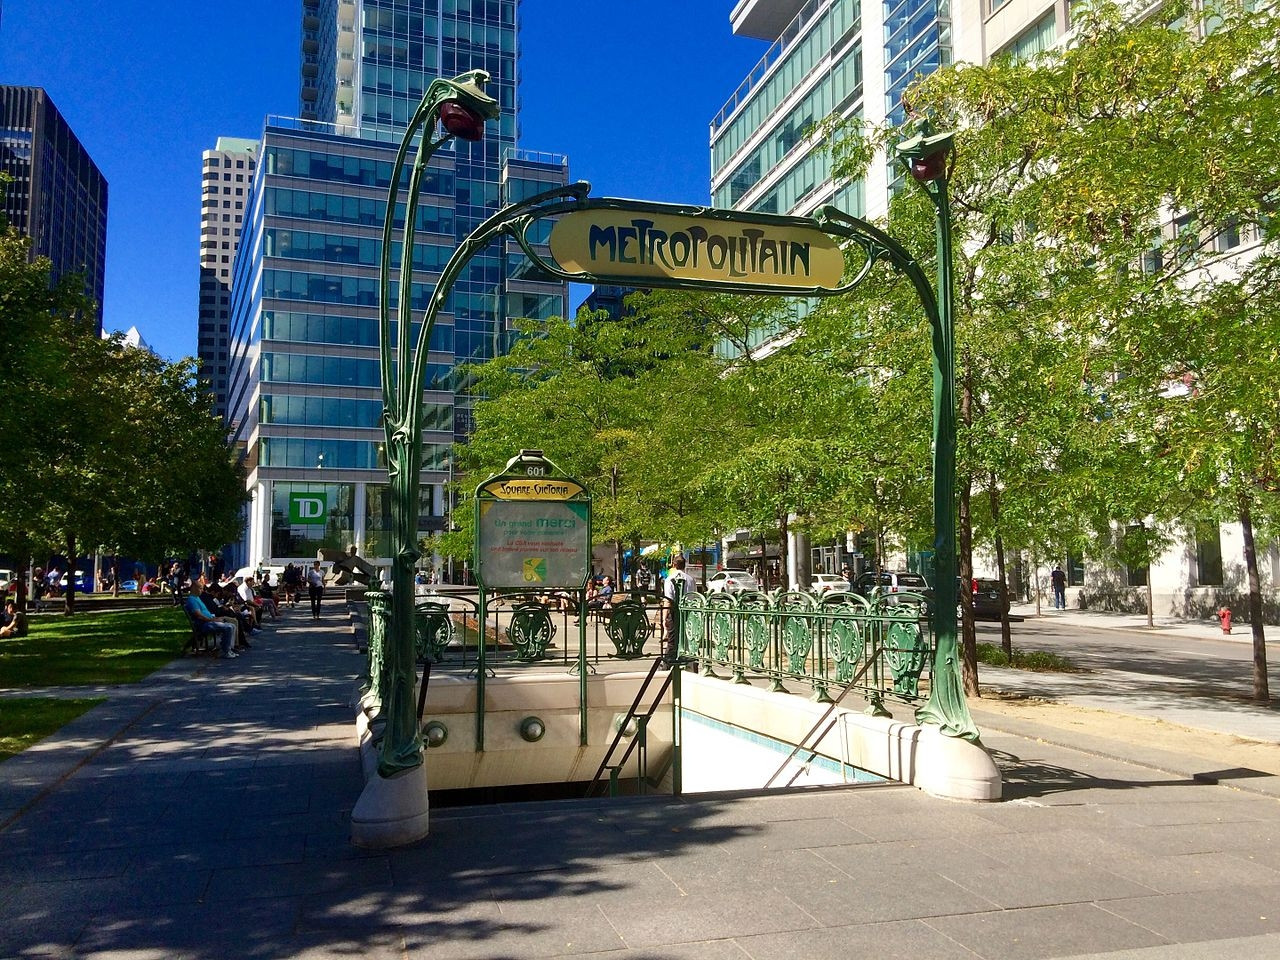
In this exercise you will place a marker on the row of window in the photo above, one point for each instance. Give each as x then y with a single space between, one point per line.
342 331
366 171
841 19
843 80
322 288
315 453
336 248
342 412
341 371
365 211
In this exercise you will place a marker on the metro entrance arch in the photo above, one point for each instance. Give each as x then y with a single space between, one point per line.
625 242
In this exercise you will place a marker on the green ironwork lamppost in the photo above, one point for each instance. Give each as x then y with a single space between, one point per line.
461 106
925 158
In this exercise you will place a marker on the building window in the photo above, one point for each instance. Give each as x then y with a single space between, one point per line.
1229 237
1075 570
1036 39
1208 555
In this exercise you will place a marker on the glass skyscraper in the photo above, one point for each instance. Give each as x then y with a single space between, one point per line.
58 196
304 395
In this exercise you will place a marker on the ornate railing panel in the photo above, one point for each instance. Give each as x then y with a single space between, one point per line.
379 618
883 643
433 630
629 628
530 631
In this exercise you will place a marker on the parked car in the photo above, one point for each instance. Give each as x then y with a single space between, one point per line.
990 599
892 582
732 581
7 582
824 583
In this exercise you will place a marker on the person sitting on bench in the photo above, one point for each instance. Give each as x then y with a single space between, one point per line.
14 621
224 627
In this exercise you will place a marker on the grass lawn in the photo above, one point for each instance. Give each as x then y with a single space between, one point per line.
24 722
1040 661
120 646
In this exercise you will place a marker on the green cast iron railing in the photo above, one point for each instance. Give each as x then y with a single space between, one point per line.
881 645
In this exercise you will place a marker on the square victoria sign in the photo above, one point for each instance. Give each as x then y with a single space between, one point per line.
532 532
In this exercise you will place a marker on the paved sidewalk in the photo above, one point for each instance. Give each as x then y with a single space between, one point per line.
1208 692
206 815
1137 622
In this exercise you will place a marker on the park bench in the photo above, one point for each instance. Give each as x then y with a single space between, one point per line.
201 639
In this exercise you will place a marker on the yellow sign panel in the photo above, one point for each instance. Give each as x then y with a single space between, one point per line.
640 244
540 489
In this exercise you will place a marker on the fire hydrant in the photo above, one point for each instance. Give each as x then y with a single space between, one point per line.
1224 617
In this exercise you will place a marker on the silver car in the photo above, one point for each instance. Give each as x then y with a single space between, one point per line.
732 581
824 583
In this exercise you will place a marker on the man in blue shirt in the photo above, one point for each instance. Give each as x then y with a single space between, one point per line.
225 629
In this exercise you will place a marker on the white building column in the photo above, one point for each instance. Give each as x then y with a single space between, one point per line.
260 525
799 561
360 507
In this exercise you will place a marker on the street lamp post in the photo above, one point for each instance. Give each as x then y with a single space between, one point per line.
393 808
925 158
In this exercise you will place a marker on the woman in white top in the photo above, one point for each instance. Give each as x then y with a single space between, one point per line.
315 588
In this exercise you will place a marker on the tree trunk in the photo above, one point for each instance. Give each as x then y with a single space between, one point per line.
69 603
1035 572
1151 619
784 555
1261 690
1006 636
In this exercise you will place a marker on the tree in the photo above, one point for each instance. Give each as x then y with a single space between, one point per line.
112 446
1124 159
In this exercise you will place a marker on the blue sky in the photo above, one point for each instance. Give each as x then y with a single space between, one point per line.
626 89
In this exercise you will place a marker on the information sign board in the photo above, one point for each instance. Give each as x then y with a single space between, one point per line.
533 529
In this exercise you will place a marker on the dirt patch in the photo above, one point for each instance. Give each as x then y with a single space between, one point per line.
1221 748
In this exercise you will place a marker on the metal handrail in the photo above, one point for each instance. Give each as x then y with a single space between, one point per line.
630 715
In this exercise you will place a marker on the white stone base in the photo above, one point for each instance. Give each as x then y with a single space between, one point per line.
954 768
391 811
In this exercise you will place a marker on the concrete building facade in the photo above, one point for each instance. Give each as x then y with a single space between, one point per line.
225 182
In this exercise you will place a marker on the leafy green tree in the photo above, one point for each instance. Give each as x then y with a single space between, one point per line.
1066 170
110 445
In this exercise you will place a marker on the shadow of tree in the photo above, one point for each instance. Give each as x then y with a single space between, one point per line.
217 824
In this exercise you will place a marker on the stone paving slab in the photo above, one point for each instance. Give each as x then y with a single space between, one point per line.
206 814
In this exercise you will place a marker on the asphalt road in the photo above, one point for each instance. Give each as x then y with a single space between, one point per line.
1167 674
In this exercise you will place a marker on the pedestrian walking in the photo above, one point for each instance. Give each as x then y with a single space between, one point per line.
678 583
315 588
1059 581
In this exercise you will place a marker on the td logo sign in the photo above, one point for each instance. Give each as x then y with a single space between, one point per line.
308 508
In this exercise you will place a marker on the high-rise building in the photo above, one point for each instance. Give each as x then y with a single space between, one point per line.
58 196
225 182
304 395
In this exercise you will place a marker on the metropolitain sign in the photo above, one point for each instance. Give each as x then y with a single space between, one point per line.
641 243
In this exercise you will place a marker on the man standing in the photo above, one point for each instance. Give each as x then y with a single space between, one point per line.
1059 581
678 584
224 628
315 588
